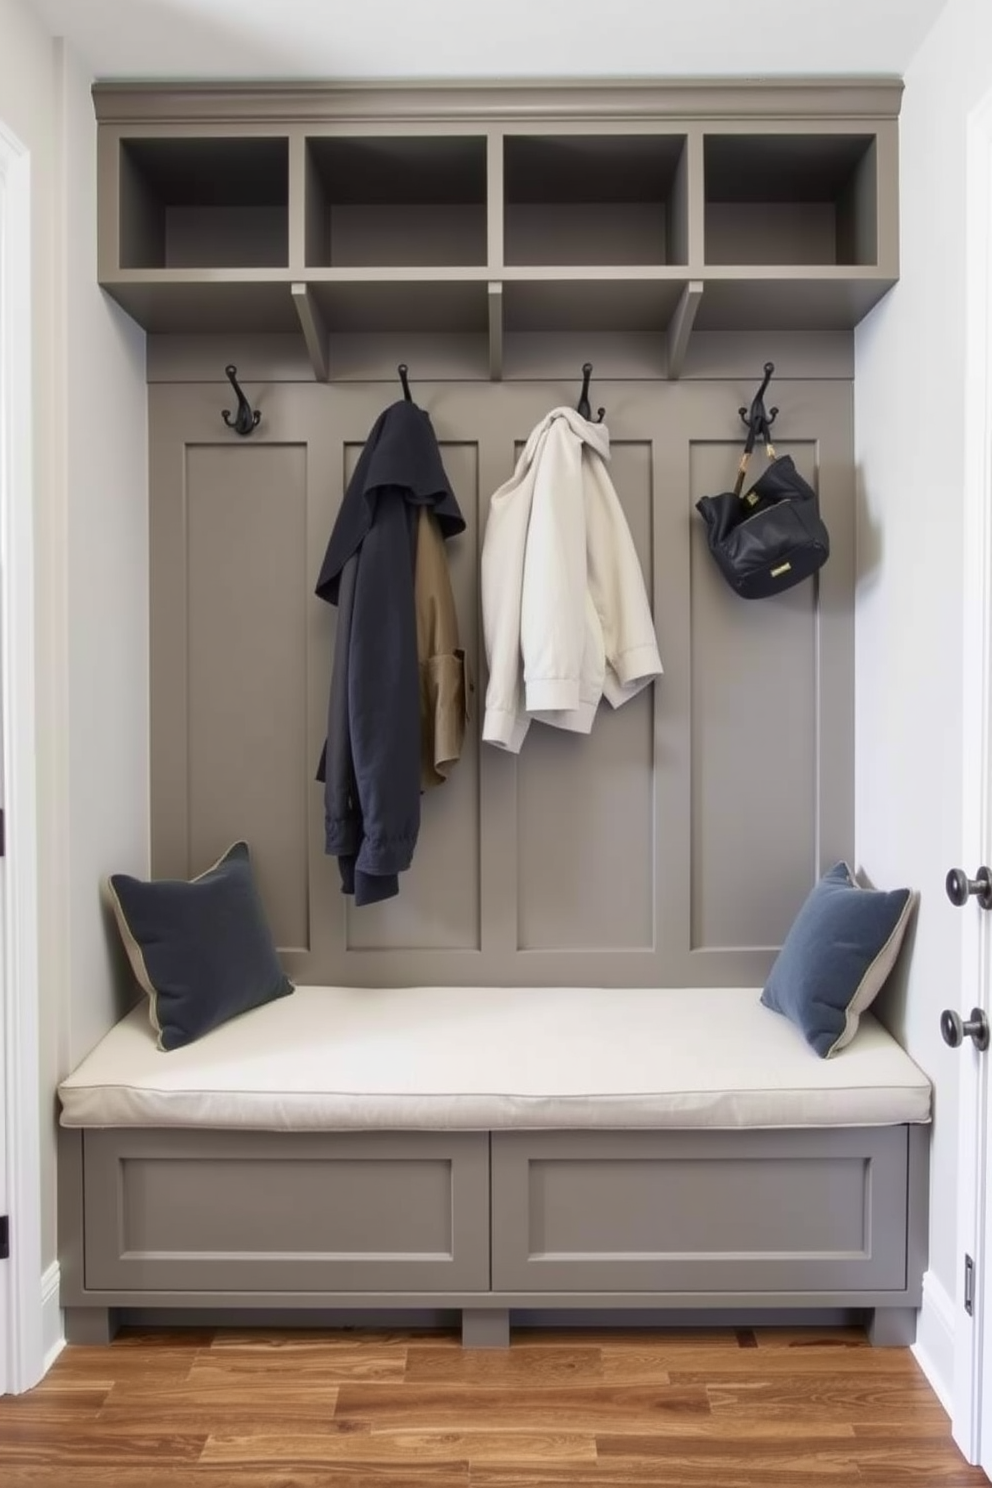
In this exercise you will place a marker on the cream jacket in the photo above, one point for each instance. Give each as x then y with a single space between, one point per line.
565 613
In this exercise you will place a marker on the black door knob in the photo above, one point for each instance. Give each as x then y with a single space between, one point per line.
960 887
954 1031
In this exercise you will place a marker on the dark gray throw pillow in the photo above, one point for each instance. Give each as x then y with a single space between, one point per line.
842 945
201 950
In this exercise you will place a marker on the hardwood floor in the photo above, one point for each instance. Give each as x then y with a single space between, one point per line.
285 1409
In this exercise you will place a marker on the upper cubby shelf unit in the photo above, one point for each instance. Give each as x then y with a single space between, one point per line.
498 212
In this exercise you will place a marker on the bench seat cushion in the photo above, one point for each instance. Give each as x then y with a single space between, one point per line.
485 1058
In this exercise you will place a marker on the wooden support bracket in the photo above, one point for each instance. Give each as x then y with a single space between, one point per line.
314 330
495 332
680 327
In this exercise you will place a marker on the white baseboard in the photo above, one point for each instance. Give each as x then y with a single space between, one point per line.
934 1346
52 1331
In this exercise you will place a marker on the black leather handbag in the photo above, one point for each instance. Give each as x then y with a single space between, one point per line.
772 536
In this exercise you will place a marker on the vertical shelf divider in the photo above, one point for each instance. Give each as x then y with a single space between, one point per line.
297 204
696 194
495 332
494 199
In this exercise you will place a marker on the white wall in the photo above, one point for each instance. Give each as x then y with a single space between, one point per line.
909 402
107 588
92 566
306 39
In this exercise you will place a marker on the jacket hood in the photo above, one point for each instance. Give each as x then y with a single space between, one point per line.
401 457
596 436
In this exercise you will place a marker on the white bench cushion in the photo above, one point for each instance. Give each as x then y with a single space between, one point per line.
482 1058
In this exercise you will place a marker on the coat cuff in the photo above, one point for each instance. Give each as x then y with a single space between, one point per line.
552 694
504 729
630 673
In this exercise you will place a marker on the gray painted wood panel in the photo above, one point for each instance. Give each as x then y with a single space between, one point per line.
699 1210
584 232
221 1211
246 557
231 236
585 859
644 854
372 234
753 686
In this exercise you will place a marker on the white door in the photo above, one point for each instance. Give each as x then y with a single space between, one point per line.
7 1338
973 1293
21 1334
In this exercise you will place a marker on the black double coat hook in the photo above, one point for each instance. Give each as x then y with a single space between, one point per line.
245 421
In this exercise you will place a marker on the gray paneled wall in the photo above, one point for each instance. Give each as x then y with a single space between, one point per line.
673 845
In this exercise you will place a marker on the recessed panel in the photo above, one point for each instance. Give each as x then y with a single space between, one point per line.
247 592
754 737
585 803
351 1207
438 907
649 1209
677 1212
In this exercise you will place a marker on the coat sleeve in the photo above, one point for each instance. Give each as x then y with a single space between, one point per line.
616 587
384 697
552 616
342 819
505 723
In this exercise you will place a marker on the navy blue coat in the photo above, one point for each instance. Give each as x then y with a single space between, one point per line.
371 762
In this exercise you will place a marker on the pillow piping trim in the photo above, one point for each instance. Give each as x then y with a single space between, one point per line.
136 956
854 1010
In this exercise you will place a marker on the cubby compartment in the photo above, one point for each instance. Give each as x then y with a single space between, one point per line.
791 199
189 203
389 201
585 199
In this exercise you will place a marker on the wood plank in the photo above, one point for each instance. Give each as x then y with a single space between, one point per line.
120 1363
814 1338
278 1414
620 1340
312 1365
850 1395
328 1475
623 1473
293 1340
463 1408
34 1441
535 1368
785 1363
403 1447
53 1405
164 1338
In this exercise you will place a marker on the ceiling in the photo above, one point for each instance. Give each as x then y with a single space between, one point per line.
394 39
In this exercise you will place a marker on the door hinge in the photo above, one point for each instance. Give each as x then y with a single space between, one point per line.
3 833
4 1238
969 1286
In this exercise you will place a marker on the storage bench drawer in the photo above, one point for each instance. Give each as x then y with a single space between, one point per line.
755 1211
295 1212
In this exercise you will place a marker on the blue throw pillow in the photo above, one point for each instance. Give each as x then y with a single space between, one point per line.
201 950
842 945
